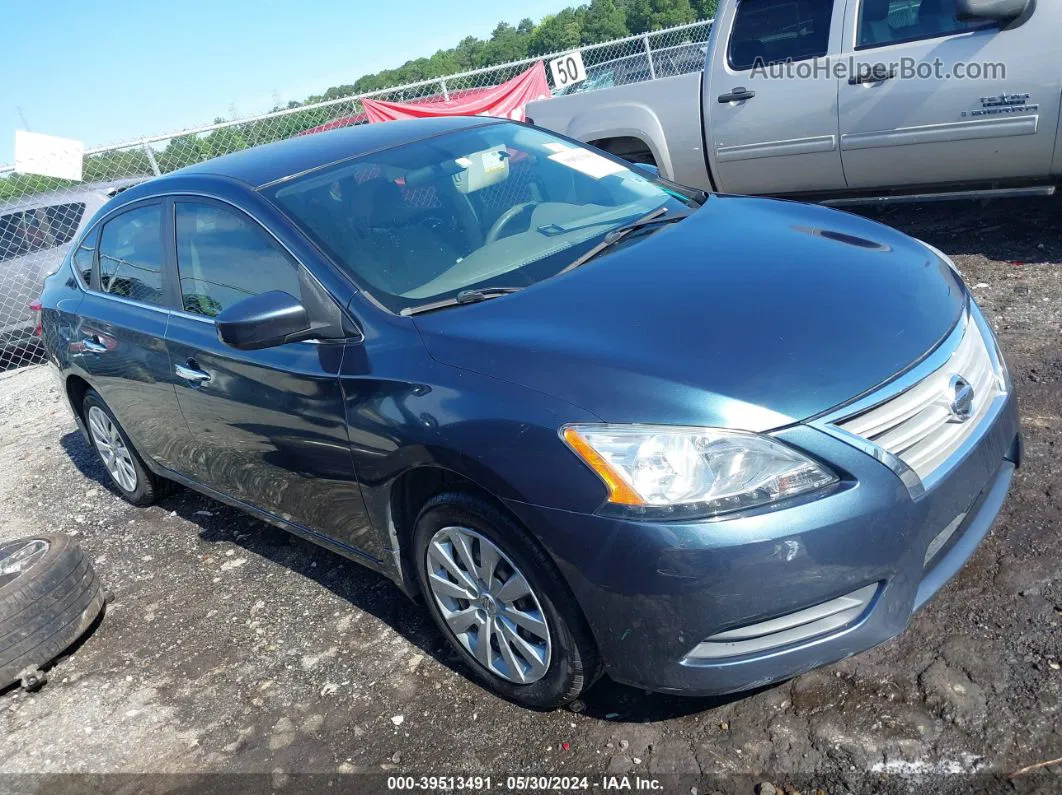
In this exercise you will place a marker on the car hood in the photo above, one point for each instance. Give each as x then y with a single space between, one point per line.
751 314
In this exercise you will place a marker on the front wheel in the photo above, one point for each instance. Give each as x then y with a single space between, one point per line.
501 603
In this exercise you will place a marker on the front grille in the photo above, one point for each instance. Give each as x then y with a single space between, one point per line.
927 423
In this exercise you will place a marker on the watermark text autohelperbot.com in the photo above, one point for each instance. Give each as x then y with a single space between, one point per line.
863 71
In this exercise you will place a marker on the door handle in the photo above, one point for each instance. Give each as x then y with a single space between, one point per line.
737 95
875 74
191 373
93 345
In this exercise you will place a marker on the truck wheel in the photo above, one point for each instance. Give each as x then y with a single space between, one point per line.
49 596
500 602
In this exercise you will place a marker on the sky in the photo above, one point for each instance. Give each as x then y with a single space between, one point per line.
103 72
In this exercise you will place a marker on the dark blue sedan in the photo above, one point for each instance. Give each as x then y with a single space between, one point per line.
600 422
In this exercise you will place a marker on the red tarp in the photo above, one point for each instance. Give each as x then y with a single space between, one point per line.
507 101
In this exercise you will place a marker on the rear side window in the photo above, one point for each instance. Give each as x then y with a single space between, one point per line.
39 229
131 255
775 31
224 257
83 258
892 21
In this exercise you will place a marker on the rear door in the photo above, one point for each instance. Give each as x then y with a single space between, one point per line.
770 103
265 427
119 334
959 102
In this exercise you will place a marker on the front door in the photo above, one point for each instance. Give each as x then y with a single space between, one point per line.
958 102
265 427
770 104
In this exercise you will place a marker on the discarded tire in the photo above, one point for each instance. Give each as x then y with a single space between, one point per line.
49 596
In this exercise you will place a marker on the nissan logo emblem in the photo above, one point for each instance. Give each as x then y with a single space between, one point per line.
960 398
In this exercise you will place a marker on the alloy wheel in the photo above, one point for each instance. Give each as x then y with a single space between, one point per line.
489 605
113 452
17 558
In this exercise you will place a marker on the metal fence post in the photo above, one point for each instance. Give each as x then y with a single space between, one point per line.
151 158
445 93
649 55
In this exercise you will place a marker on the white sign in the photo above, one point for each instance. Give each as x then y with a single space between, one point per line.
48 156
568 69
590 163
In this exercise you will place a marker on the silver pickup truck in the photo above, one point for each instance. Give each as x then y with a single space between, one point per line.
848 101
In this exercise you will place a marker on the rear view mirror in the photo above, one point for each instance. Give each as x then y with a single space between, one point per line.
264 321
995 10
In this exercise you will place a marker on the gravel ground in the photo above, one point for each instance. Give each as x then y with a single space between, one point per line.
232 647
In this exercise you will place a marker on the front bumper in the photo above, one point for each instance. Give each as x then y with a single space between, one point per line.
652 592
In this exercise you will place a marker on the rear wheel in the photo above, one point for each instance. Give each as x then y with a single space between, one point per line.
501 603
131 478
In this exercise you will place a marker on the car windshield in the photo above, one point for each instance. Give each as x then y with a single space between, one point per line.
501 205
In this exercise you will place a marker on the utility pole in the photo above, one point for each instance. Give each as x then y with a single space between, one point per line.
22 116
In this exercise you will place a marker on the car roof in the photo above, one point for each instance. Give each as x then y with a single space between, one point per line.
262 165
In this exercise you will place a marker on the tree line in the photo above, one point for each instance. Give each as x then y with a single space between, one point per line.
576 26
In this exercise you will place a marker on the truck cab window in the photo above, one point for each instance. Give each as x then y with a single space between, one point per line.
884 22
775 31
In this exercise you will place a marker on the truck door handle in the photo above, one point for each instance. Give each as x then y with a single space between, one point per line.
191 372
737 95
93 345
875 74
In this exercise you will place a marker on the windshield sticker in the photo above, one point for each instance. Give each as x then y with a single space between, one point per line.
493 161
589 163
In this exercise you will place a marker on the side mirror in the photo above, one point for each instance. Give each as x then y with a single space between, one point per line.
994 10
647 168
264 321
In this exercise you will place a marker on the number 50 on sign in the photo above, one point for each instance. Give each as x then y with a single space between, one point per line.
568 69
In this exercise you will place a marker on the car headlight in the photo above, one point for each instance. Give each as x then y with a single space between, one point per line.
672 472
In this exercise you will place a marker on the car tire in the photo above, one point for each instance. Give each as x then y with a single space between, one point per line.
49 596
565 658
125 468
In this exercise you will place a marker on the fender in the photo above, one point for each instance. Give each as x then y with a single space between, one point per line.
621 120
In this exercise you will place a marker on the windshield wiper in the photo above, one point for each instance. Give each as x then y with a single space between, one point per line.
657 217
463 297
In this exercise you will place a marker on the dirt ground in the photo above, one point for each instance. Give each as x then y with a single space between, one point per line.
232 647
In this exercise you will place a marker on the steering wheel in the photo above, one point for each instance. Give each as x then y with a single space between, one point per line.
505 219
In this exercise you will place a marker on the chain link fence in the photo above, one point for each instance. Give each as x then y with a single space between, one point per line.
39 216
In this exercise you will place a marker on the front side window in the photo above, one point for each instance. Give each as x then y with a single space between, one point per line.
131 255
224 257
891 21
775 31
500 205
